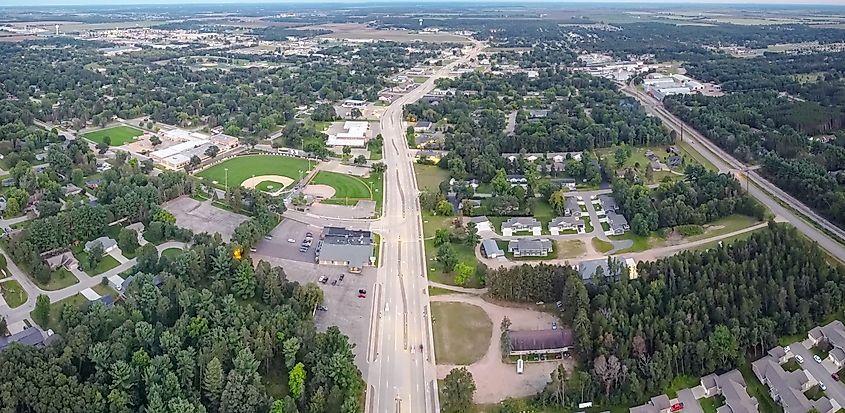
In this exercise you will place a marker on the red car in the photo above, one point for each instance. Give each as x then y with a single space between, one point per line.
677 407
835 376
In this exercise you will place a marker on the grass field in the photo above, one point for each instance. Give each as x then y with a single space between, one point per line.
119 135
171 252
59 279
104 290
13 293
601 245
430 176
268 186
461 332
345 186
242 168
723 226
107 263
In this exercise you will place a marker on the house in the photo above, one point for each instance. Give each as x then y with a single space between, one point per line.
518 180
657 404
490 249
655 165
571 207
107 243
116 282
675 161
673 150
423 126
537 113
608 204
733 389
834 335
780 354
568 183
354 103
351 248
611 268
618 223
530 247
7 182
560 224
93 183
471 203
64 259
554 341
482 223
106 300
3 203
433 156
425 140
787 387
521 224
71 189
32 337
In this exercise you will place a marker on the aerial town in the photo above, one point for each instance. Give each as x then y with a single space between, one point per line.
421 208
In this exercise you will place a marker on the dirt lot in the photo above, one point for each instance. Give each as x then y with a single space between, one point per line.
495 380
204 217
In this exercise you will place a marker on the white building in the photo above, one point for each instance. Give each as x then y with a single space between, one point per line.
354 103
354 134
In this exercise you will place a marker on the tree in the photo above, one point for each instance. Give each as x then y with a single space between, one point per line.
95 255
102 147
77 177
360 160
472 237
556 388
724 346
463 272
41 313
155 140
444 208
379 167
501 185
212 151
347 151
558 201
127 240
244 285
457 391
296 380
505 338
13 208
355 113
446 256
442 236
195 161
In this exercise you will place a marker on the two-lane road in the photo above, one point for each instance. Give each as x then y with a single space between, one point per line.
402 376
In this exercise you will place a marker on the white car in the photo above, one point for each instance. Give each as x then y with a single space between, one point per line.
799 359
817 358
822 386
291 240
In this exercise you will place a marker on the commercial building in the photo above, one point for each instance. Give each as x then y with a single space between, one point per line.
350 248
185 144
354 134
354 103
555 341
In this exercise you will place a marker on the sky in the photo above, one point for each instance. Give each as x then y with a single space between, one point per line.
357 2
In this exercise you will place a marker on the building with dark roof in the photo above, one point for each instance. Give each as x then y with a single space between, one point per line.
341 246
541 341
32 337
530 247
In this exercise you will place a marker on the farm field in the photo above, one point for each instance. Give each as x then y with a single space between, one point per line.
242 168
119 135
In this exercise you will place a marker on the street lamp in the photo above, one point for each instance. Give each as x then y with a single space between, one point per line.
226 171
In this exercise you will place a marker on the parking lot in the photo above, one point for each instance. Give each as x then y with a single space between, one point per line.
281 247
203 217
344 308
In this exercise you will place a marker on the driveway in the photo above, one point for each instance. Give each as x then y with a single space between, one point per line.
835 389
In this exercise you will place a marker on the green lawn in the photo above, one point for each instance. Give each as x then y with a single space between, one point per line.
601 245
108 262
171 252
588 224
59 279
463 252
104 290
56 311
345 186
680 383
13 293
814 393
723 226
710 404
119 135
819 352
791 365
728 241
432 291
242 168
639 162
430 176
640 243
461 332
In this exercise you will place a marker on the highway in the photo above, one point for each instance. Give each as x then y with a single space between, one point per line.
401 376
727 163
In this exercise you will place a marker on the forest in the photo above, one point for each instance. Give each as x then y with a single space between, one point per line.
702 197
216 336
692 314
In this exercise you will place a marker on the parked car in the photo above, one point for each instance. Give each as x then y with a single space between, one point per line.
291 240
817 358
324 279
362 293
341 277
253 249
835 376
554 326
822 386
677 407
268 237
309 235
799 359
322 308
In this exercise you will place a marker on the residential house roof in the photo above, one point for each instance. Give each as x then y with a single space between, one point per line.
525 245
588 268
536 340
521 222
607 202
565 222
29 337
617 221
479 219
736 396
491 248
106 242
787 386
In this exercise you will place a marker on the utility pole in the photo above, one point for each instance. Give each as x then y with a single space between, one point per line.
226 171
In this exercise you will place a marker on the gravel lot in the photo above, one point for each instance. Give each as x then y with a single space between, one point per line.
203 217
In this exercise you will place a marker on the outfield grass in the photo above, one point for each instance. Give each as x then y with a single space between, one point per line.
119 135
13 293
430 176
242 168
345 186
461 332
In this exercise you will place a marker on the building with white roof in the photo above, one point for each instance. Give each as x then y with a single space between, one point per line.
354 134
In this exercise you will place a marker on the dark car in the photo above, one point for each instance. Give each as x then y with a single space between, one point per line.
362 293
835 376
